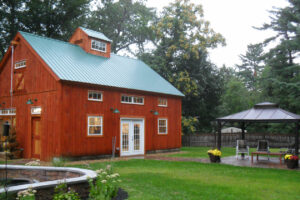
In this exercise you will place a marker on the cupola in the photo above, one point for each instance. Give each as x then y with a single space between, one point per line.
92 42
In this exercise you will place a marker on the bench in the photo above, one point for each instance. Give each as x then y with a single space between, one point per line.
268 154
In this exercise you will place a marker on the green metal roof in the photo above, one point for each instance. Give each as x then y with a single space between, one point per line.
95 34
70 62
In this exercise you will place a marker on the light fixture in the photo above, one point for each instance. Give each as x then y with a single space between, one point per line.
29 102
154 112
116 111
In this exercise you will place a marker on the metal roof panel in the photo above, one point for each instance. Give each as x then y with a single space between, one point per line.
95 34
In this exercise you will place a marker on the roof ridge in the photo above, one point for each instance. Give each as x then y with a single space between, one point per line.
47 38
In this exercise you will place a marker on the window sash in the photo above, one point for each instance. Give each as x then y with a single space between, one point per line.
162 102
95 96
162 126
132 99
95 127
98 46
20 64
7 111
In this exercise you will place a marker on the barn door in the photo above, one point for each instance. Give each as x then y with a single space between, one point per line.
36 137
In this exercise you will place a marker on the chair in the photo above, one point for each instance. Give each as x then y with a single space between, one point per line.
241 147
263 146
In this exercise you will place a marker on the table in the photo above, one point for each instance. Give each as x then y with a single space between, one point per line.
267 153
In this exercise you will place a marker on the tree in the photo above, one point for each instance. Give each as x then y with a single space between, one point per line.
125 22
51 18
284 72
251 67
182 40
9 22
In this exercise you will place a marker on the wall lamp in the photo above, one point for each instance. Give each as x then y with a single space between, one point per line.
29 101
116 111
154 112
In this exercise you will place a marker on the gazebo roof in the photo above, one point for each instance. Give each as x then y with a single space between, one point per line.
262 112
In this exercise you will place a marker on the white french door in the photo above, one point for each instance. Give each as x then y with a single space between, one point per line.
132 137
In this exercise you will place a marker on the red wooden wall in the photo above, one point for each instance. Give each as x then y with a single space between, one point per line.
39 84
77 107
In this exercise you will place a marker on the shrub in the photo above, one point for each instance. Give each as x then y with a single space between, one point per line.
105 186
58 162
28 194
62 192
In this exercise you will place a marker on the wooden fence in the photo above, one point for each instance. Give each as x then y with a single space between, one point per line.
229 140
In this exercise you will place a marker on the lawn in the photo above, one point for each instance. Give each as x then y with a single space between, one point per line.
151 179
201 152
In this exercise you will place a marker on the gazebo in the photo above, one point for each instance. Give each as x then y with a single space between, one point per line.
262 112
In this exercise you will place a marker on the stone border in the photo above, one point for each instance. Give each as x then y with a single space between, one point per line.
84 172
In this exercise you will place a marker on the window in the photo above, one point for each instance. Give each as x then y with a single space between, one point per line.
36 110
132 99
98 46
8 111
95 96
162 102
95 125
20 64
162 126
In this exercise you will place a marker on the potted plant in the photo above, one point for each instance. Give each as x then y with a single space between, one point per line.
214 155
291 161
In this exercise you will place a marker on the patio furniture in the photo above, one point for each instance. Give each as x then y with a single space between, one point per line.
242 148
263 146
267 153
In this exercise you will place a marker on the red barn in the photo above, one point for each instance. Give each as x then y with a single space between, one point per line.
76 98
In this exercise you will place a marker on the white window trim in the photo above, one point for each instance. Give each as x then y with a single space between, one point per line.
160 105
22 66
166 126
88 130
99 49
95 99
132 96
36 113
11 111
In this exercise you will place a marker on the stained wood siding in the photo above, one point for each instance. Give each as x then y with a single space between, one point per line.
77 107
39 84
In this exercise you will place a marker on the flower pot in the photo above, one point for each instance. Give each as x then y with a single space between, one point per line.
214 159
292 164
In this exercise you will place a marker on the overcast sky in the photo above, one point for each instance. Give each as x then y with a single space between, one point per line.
234 19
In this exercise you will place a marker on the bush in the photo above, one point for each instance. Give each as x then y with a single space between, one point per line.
105 186
28 194
59 162
62 192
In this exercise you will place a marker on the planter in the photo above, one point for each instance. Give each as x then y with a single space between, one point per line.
214 159
292 164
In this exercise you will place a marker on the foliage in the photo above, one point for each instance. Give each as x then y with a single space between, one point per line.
59 162
51 18
62 192
215 152
106 184
251 67
182 39
125 22
28 194
189 125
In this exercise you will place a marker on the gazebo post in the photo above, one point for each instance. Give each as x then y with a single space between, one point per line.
219 135
297 138
243 135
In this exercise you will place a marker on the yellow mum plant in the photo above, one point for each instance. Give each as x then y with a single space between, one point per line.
215 152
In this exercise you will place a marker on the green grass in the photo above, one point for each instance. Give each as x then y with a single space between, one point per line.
151 179
201 152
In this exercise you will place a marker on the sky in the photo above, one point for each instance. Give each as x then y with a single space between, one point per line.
235 20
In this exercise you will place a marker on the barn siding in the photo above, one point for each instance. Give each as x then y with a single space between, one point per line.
40 85
76 108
